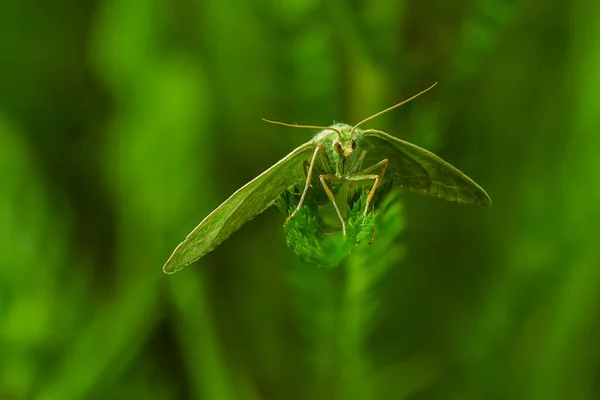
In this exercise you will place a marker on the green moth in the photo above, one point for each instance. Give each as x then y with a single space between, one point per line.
338 154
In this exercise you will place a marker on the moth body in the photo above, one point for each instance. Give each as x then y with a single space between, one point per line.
336 155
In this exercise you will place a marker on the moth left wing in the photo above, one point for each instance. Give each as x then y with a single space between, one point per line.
246 203
420 170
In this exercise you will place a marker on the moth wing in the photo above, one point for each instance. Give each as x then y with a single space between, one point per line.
420 170
246 203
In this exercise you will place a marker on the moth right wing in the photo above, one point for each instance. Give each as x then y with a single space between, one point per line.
246 203
420 170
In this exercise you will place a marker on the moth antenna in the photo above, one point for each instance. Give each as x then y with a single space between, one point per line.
389 109
305 127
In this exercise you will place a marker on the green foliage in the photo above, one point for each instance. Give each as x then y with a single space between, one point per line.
336 310
316 242
367 270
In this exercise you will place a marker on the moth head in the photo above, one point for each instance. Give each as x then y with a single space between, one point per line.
345 148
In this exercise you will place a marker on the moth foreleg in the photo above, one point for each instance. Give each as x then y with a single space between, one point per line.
365 176
331 196
305 166
308 183
359 164
326 164
354 169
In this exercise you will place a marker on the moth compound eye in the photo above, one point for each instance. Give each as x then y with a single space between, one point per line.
353 145
337 147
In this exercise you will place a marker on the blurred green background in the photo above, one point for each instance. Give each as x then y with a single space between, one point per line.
124 123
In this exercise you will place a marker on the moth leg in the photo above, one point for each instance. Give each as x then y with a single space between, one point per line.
326 164
375 166
351 191
305 165
357 167
377 177
359 164
324 178
383 164
308 183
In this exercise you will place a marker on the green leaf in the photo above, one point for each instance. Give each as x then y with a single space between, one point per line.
315 241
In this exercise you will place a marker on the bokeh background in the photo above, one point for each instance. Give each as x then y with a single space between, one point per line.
124 123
